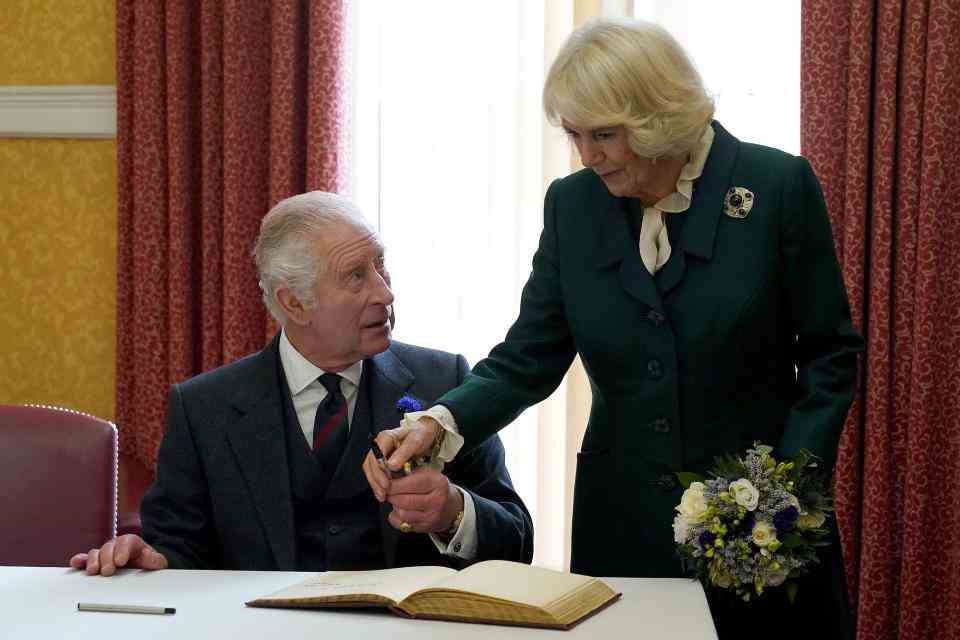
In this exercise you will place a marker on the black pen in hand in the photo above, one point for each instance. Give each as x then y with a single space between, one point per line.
378 454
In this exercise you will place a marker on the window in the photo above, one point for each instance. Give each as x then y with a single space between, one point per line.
447 148
748 53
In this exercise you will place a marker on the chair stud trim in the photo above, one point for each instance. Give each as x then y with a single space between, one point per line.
116 452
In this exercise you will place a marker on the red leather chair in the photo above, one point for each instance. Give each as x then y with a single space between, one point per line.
58 484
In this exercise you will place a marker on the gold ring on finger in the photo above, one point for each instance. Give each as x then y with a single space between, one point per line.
405 527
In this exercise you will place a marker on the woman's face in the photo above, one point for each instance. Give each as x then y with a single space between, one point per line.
605 150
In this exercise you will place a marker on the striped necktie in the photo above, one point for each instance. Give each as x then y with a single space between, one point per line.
330 425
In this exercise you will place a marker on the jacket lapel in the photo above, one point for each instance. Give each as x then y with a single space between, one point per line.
617 248
670 275
703 217
257 439
389 380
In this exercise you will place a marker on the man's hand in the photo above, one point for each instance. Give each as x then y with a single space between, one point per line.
425 500
399 445
126 551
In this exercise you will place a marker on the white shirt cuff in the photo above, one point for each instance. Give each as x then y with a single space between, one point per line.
452 442
463 544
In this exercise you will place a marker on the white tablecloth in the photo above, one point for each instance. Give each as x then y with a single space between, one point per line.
41 602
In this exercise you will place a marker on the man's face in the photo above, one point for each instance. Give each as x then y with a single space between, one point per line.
353 299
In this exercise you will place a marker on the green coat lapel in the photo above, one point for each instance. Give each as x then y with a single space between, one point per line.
697 237
617 248
703 217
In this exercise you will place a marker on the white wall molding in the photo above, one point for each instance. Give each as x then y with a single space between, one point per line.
58 111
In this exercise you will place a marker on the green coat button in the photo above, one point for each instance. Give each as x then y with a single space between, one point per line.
655 369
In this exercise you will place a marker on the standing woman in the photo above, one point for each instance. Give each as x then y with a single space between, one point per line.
696 277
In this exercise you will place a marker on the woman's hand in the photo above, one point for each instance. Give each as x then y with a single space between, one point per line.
399 445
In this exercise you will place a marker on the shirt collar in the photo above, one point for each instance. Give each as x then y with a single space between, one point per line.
680 199
301 373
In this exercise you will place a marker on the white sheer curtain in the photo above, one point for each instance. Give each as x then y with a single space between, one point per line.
748 53
449 153
452 156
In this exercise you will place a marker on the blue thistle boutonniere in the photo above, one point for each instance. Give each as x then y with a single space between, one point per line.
408 403
405 404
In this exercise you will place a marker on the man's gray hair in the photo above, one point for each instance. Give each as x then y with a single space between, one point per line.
285 251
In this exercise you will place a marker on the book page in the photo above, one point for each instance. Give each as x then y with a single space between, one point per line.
515 582
337 586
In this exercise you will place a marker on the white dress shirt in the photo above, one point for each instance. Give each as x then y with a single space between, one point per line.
303 380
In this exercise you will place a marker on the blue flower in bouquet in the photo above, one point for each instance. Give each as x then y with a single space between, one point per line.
756 524
748 521
785 519
706 540
408 403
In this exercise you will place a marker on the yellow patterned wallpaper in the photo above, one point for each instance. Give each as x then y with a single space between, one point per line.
58 218
57 42
58 247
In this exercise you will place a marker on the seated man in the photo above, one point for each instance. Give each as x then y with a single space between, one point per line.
260 466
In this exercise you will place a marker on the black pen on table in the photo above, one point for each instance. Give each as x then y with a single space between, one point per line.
124 608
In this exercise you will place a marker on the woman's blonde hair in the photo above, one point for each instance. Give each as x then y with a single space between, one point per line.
632 73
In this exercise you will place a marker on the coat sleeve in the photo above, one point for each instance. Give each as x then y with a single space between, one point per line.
531 361
825 342
504 526
176 511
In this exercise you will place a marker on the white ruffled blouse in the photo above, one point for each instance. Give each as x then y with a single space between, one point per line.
654 243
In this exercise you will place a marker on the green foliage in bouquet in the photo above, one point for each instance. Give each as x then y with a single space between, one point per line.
755 524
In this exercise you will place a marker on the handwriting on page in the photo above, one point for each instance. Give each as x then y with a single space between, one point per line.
320 584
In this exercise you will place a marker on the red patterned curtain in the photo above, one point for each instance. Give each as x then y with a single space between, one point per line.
224 108
881 126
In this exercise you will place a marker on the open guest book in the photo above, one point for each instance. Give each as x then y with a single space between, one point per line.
491 592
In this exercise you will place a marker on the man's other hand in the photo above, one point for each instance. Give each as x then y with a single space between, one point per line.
425 500
127 551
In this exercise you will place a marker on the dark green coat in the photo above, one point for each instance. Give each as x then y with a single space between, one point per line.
693 363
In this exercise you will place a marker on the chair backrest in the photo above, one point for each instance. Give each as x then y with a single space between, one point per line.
58 484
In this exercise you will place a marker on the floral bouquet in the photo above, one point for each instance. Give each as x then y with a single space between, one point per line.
756 524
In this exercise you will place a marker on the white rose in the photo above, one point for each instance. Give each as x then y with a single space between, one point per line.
763 534
744 493
812 520
681 529
692 503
